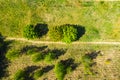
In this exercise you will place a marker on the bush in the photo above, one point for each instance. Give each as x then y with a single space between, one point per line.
66 33
69 34
19 75
60 71
37 57
12 54
55 33
31 51
38 74
49 57
29 32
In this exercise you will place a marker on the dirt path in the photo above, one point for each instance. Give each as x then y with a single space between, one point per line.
51 42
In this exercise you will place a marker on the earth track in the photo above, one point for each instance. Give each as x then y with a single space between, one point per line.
51 42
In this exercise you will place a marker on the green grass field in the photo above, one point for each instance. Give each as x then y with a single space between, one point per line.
106 67
101 19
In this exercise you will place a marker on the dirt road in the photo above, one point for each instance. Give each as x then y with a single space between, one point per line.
51 42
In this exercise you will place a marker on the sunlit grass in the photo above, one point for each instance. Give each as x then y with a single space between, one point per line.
95 16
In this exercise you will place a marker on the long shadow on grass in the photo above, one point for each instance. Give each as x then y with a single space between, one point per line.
29 71
69 63
94 54
32 47
80 29
3 61
47 68
56 52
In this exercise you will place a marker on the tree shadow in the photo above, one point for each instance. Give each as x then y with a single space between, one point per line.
3 60
80 29
69 63
41 29
56 52
44 70
29 72
94 54
32 47
47 68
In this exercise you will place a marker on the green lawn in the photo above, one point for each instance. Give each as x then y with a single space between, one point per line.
101 19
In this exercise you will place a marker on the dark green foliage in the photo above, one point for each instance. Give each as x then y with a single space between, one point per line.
29 32
49 57
38 74
1 38
12 54
69 34
3 60
87 63
60 71
19 75
37 57
56 33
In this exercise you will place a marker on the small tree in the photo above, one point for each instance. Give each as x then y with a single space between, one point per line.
29 32
19 75
66 33
50 57
12 54
38 74
87 63
69 34
37 57
60 71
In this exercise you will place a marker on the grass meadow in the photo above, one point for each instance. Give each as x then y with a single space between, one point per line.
106 64
101 19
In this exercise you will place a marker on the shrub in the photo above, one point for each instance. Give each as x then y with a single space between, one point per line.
66 33
69 34
37 57
60 71
69 69
31 51
87 62
12 54
55 33
29 32
38 74
19 75
49 57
